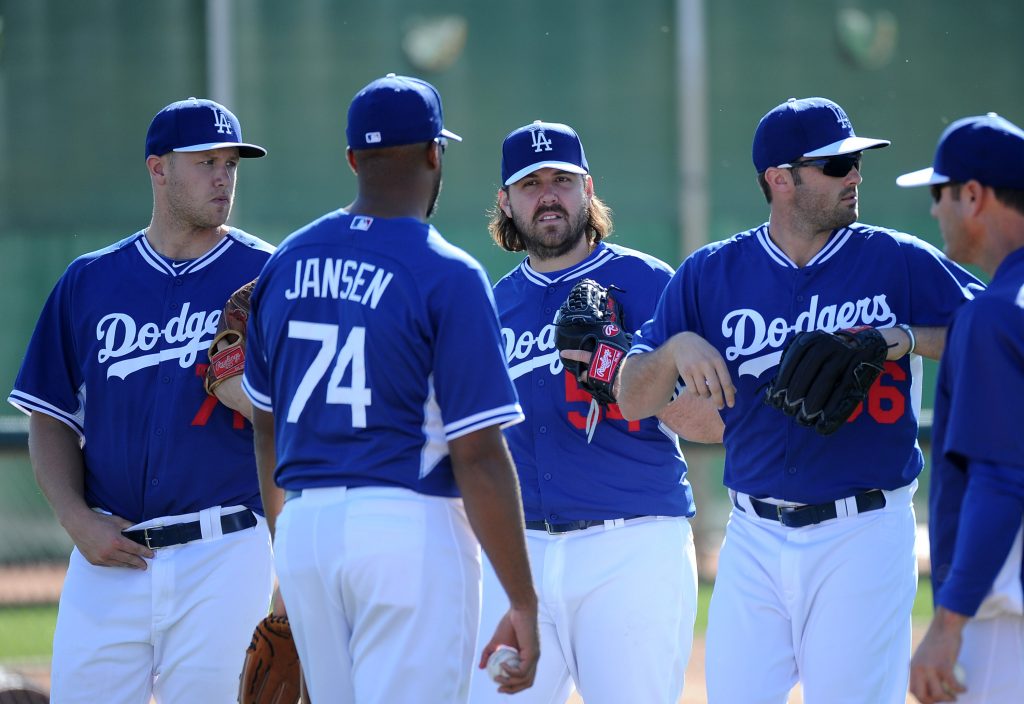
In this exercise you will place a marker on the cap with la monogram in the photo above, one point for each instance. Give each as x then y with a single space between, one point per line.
196 125
806 128
541 145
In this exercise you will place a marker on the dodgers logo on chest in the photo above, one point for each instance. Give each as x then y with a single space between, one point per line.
762 340
527 351
182 337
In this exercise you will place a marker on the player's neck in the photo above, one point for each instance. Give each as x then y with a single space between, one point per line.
183 242
387 207
799 243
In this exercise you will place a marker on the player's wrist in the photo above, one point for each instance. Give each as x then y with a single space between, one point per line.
948 620
911 338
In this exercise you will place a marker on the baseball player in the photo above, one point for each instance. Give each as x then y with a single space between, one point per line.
379 391
154 481
817 574
977 487
606 518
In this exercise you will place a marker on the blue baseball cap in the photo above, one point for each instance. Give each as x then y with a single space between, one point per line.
195 125
985 148
393 111
541 145
806 128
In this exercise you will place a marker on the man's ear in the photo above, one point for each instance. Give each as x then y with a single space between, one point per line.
351 157
434 154
503 202
157 167
973 197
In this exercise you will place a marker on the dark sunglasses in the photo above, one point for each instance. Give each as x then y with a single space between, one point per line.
834 166
936 190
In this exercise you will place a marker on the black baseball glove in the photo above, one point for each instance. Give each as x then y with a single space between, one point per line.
591 320
823 376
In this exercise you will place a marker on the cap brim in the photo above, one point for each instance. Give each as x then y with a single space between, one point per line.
450 135
921 177
249 151
563 165
848 146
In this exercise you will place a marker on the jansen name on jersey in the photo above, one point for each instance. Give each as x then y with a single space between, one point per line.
374 342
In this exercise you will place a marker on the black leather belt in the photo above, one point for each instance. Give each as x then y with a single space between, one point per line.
558 528
179 533
810 514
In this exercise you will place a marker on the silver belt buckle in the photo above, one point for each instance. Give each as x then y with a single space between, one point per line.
145 535
547 528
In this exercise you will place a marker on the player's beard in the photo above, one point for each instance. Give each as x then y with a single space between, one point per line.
432 208
822 212
189 211
549 242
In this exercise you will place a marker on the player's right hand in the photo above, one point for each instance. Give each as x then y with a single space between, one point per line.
518 628
98 537
702 369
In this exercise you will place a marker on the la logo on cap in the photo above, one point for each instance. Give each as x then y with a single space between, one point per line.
540 140
221 122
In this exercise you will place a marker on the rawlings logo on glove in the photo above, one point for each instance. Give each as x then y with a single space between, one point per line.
823 376
591 320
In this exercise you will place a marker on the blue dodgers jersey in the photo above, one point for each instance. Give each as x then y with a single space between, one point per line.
747 298
119 356
374 342
630 468
983 421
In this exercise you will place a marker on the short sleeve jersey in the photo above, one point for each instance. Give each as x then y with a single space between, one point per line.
374 342
747 298
119 356
629 468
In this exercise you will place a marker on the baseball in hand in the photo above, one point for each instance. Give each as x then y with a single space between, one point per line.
504 654
959 674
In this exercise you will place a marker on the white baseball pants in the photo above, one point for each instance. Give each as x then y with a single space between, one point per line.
382 588
617 607
828 604
176 631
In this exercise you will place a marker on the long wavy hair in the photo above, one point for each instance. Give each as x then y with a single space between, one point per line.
505 233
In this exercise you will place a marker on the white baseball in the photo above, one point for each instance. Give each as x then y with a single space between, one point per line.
959 674
504 654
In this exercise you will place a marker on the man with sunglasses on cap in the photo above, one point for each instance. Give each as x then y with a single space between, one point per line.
370 341
977 487
606 500
154 481
817 574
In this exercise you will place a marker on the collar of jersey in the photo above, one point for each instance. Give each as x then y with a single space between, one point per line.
597 258
836 241
155 260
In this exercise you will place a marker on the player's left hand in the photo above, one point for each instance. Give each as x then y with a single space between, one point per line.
227 352
519 630
589 325
932 676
